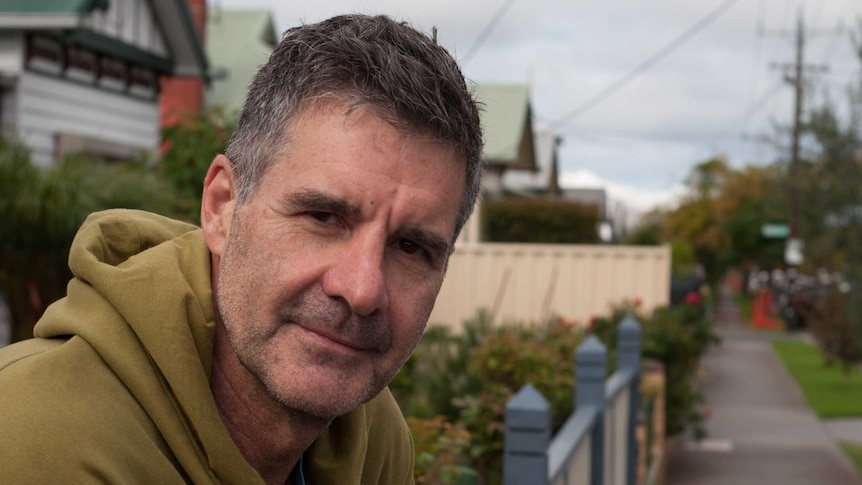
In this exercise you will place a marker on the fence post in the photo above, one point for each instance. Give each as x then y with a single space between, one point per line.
591 361
629 346
528 432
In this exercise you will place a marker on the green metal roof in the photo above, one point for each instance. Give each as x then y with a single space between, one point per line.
174 19
239 41
38 7
507 124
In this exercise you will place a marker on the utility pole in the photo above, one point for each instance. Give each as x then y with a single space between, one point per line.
794 75
793 169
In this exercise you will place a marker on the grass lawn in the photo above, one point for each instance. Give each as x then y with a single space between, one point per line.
829 393
853 451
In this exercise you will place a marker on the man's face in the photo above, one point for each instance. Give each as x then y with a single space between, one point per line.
332 266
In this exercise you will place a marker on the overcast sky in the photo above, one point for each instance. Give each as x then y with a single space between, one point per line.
646 89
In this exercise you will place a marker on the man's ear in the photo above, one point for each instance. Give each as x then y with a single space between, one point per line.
217 204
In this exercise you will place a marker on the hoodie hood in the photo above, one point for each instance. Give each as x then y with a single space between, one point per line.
142 299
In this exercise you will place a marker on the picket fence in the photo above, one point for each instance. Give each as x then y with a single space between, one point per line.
597 444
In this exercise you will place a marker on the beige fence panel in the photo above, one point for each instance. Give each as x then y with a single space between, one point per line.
528 283
578 469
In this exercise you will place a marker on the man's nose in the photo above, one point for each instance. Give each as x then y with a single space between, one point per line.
358 276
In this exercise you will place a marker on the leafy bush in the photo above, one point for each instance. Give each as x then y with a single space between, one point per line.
441 452
677 337
469 377
539 221
434 377
189 148
506 361
41 210
474 375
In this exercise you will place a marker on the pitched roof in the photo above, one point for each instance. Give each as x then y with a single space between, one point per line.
507 123
174 17
43 7
545 176
239 42
46 14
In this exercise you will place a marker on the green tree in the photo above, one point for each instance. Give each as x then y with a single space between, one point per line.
718 222
189 147
41 210
831 225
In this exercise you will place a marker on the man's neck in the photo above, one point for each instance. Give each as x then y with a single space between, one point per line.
270 436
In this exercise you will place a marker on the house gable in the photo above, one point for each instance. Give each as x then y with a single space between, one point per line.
238 43
507 122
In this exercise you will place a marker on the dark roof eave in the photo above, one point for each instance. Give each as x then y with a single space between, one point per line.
119 49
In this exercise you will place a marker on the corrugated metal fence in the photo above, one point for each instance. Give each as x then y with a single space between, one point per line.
528 283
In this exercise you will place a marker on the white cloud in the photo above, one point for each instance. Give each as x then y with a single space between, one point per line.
635 201
689 106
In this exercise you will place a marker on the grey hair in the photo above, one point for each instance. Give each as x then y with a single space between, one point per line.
373 61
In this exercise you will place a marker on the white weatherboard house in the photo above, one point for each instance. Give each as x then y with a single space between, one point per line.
83 75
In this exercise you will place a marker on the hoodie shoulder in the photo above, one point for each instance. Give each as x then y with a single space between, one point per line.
59 400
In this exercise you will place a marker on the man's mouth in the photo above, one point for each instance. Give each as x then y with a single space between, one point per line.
335 340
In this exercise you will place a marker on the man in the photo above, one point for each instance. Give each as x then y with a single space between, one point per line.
257 349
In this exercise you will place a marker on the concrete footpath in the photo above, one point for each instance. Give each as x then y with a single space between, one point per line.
761 430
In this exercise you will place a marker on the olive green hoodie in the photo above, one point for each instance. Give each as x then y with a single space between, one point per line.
115 386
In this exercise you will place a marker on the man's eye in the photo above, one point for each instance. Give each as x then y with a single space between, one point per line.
321 216
408 247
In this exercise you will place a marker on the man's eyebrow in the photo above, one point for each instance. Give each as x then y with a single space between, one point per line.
315 200
435 244
309 199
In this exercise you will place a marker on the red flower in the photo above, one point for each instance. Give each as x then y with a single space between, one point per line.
693 298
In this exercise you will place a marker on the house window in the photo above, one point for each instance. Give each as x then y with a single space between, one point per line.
113 74
42 47
44 54
81 64
113 69
143 82
81 59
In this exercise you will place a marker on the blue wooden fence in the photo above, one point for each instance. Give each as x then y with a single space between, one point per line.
597 444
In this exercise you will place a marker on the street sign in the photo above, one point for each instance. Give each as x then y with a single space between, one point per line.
775 231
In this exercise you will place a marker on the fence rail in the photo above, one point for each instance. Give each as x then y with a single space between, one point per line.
597 443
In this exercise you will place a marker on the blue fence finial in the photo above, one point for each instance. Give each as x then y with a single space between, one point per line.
528 433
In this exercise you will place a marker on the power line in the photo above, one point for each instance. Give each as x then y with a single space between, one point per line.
578 130
486 32
645 65
826 54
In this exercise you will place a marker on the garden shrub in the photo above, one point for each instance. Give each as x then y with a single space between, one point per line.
467 379
188 149
677 337
532 220
41 210
441 452
434 376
